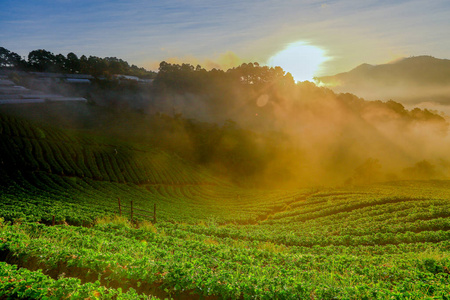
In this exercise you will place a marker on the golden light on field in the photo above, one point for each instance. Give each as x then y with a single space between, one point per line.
300 59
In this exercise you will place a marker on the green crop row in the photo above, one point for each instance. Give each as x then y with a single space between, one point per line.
82 200
200 265
26 146
20 283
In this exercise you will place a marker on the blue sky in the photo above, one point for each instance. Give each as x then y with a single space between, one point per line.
223 33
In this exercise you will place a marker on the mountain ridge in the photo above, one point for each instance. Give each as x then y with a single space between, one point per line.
411 80
418 69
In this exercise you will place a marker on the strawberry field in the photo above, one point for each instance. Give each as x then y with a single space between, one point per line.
213 239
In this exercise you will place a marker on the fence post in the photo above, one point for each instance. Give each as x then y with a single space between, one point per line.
120 207
154 213
131 210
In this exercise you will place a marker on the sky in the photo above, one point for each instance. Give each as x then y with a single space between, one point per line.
224 34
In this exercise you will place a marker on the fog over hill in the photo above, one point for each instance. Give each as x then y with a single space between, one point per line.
254 124
422 81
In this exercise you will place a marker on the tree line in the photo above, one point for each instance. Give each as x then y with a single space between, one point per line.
45 61
187 78
254 122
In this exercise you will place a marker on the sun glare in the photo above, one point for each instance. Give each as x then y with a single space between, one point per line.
300 59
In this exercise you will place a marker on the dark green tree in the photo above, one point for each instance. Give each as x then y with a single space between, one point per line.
42 60
72 64
10 59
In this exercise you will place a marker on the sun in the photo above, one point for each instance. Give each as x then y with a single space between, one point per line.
300 59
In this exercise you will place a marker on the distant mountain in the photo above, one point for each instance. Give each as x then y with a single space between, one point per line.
409 80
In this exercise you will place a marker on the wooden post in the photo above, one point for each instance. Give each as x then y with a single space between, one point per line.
154 213
53 221
120 207
131 210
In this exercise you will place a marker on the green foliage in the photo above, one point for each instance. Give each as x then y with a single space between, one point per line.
45 61
212 238
20 283
10 59
34 149
376 241
186 78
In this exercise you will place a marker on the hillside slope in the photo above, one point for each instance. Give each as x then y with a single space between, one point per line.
42 164
409 80
211 239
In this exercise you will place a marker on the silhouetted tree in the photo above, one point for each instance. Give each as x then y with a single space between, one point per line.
42 60
72 64
10 59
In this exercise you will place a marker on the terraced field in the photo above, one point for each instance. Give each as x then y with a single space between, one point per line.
212 239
